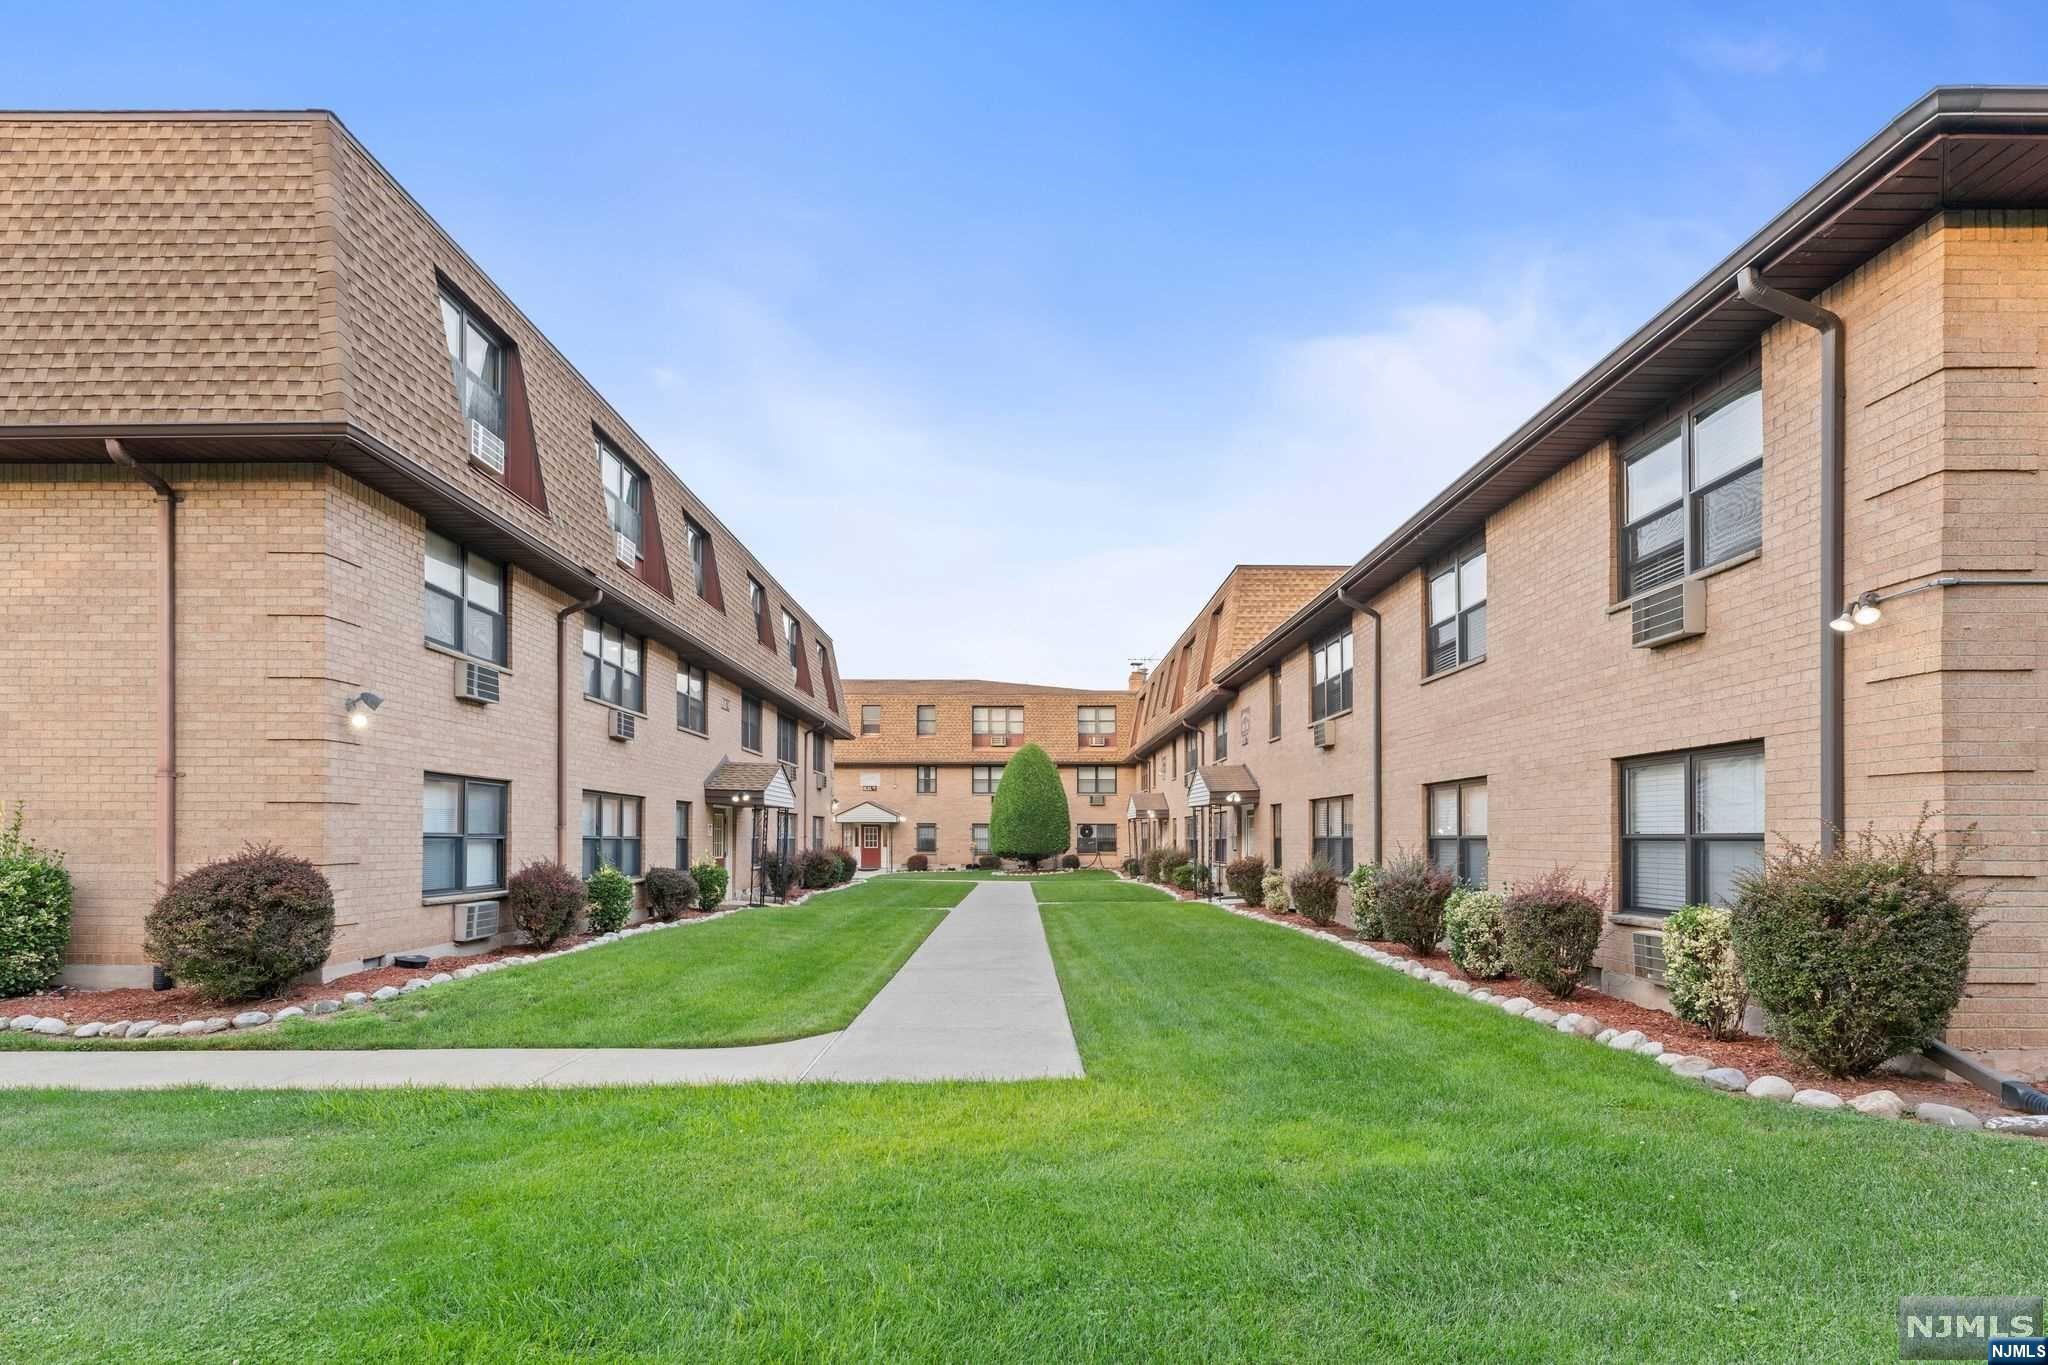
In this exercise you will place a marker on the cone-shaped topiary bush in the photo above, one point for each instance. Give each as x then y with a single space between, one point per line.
1028 819
240 928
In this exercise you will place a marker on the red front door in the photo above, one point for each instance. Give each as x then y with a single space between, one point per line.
870 847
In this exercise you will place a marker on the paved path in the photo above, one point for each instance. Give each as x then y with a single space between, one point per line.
978 1000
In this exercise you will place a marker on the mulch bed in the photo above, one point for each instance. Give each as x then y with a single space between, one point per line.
1753 1056
77 1006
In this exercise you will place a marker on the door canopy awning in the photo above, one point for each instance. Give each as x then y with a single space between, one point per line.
869 813
1144 805
750 784
1223 784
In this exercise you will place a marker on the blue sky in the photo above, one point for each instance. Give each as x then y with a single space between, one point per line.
1000 335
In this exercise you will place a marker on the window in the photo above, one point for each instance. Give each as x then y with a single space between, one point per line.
996 725
465 600
817 751
477 358
1278 860
462 831
1095 838
927 779
1329 691
817 831
980 835
612 664
1194 744
927 720
1691 824
986 777
1457 830
1222 735
871 719
625 491
1693 494
792 642
690 699
785 834
1273 702
870 782
611 833
1457 609
786 739
928 838
1330 822
698 547
750 723
1095 720
757 596
683 835
1095 781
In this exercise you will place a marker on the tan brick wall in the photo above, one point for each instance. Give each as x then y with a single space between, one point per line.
956 808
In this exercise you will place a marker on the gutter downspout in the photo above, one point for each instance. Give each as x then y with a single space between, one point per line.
1378 763
167 500
562 721
1833 401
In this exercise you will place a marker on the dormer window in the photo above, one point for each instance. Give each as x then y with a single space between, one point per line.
625 493
477 359
791 642
757 596
699 546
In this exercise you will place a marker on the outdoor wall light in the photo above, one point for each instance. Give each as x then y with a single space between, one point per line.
1864 611
359 707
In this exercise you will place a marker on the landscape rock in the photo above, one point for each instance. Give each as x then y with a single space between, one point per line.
1726 1078
1520 1004
355 998
1881 1104
1770 1088
1605 1035
1458 987
193 1028
439 979
327 1007
22 1023
52 1028
1817 1099
163 1030
2030 1124
412 986
89 1030
385 993
250 1019
290 1012
1650 1048
1541 1015
1626 1041
1482 994
1946 1116
141 1028
1692 1067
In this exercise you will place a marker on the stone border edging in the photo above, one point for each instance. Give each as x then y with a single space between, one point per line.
137 1030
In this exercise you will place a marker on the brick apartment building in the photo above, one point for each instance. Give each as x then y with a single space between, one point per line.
270 444
921 771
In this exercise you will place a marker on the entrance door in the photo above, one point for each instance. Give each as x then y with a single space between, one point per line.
870 847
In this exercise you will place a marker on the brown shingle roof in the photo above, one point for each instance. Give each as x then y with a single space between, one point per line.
741 777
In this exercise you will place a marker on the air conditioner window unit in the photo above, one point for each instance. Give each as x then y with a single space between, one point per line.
624 550
479 683
622 725
999 741
1324 732
486 447
475 920
1676 612
1096 801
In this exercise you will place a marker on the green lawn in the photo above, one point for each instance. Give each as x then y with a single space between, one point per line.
975 874
1281 1152
757 977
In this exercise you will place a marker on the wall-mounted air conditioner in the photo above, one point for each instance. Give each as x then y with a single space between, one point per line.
1676 612
477 682
624 550
1096 801
486 447
622 725
1324 733
475 920
999 741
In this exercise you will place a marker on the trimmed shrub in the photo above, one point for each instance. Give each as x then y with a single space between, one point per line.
1170 858
712 881
1553 927
35 911
1071 861
778 874
1183 876
243 927
670 891
1410 894
1028 818
1701 970
1860 954
842 873
988 862
1152 865
1477 935
917 862
611 900
1275 891
1246 878
1314 891
1365 906
1130 867
816 869
541 900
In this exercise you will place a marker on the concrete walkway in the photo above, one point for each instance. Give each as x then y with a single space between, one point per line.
978 1000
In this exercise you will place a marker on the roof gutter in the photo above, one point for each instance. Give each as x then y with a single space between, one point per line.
562 719
166 661
1378 768
1833 400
